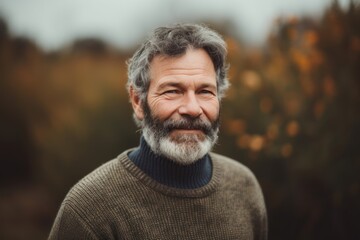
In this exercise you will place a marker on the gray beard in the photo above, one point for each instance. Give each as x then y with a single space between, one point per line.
183 149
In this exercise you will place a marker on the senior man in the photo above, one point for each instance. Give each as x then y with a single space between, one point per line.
171 186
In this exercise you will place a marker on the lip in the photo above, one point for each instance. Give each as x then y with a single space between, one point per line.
188 130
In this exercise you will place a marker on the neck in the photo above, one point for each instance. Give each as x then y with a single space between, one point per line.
168 172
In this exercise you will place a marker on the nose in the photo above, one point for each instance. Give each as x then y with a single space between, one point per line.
190 106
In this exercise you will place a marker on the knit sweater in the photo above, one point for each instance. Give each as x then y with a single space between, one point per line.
119 201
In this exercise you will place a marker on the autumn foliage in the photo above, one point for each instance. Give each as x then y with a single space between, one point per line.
291 115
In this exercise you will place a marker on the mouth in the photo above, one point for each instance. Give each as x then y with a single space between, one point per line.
188 127
184 130
187 135
187 132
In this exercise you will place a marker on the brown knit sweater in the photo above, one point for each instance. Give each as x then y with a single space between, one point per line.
118 201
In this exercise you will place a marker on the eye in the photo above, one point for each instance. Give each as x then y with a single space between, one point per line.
172 92
206 92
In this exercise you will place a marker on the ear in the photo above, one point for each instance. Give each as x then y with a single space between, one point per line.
136 104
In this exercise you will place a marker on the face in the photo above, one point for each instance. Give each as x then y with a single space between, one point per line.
180 116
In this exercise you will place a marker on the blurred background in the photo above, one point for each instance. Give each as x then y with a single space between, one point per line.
292 113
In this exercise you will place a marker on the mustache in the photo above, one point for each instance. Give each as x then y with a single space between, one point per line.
188 124
163 128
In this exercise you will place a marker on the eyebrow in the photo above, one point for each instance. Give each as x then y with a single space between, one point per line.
180 85
170 84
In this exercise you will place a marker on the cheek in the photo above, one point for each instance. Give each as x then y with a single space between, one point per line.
163 109
211 109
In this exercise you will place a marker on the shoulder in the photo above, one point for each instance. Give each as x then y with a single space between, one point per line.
240 183
231 166
91 203
236 176
97 187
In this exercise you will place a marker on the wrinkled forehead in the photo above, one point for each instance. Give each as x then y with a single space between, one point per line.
193 60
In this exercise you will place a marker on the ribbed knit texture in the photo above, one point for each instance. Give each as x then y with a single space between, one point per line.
170 173
119 201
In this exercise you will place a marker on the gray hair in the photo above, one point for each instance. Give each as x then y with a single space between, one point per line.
174 41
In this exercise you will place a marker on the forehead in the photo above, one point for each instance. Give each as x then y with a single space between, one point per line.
195 63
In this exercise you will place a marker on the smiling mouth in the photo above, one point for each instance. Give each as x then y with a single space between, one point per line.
188 127
187 130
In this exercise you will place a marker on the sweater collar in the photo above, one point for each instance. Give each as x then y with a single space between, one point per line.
169 173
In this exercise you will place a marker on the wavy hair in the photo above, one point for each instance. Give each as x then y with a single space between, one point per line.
174 41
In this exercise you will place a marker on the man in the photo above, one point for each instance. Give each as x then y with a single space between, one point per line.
171 186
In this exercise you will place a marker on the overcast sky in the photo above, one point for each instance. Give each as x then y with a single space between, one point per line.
124 23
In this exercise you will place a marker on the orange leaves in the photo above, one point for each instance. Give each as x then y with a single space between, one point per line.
308 86
251 80
286 150
329 87
310 38
292 128
301 60
252 142
256 143
272 131
284 92
233 46
235 126
292 103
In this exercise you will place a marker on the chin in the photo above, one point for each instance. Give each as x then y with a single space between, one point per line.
187 137
185 150
180 147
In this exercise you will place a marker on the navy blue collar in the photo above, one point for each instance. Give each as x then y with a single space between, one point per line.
168 172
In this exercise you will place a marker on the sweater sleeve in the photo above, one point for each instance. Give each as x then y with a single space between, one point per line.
69 224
